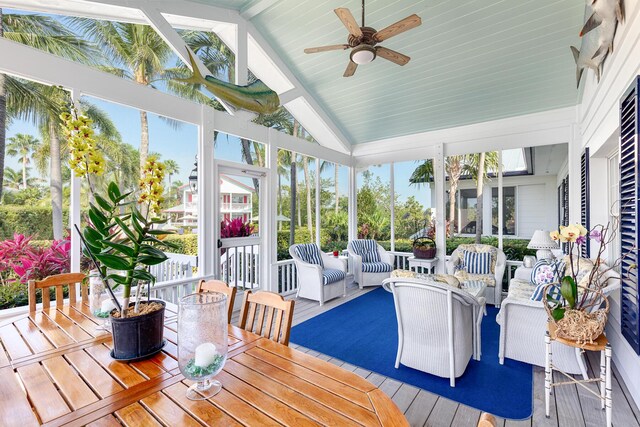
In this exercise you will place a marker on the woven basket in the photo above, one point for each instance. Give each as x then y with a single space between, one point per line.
420 253
581 326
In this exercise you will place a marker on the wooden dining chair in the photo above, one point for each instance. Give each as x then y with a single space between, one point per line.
267 314
58 281
223 288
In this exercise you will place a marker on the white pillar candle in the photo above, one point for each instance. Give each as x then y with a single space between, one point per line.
107 305
205 354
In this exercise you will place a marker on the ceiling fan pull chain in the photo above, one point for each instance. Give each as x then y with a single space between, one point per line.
363 13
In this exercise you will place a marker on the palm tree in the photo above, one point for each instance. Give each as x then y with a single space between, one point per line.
135 52
171 168
12 178
23 145
478 166
44 33
453 167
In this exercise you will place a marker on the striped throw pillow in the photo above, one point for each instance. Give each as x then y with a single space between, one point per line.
477 262
310 253
554 293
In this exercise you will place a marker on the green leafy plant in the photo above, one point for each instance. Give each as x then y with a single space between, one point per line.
124 244
120 237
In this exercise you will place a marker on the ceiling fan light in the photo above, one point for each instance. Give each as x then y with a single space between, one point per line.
363 54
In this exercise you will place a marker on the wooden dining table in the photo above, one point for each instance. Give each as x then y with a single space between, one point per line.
55 369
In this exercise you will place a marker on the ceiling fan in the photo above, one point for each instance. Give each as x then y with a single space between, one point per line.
363 40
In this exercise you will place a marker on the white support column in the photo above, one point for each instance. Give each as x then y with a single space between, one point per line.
353 203
441 224
270 255
500 199
74 211
242 68
318 190
208 198
393 208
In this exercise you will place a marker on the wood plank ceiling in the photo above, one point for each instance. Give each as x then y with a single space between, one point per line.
472 61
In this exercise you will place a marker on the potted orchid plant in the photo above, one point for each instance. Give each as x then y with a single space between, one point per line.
580 308
122 236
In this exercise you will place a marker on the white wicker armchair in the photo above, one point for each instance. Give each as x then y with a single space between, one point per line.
369 273
523 325
493 280
438 326
319 282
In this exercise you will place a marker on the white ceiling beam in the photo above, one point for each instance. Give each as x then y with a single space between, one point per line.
176 43
33 64
289 96
530 130
342 143
242 62
256 7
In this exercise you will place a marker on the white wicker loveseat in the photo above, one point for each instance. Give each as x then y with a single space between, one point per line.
320 277
523 325
456 267
370 263
436 326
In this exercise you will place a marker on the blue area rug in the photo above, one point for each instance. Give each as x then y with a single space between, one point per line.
364 332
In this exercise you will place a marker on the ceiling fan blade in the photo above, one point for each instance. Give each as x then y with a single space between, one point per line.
351 69
392 55
349 21
326 48
399 27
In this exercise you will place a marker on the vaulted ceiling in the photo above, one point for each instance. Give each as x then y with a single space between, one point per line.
472 60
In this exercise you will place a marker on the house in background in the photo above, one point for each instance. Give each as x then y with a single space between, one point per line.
532 178
236 201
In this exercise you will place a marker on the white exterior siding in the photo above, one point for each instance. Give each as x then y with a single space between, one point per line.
532 209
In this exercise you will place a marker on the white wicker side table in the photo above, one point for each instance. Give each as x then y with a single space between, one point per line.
601 344
419 265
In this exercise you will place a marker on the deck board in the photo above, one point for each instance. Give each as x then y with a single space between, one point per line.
569 406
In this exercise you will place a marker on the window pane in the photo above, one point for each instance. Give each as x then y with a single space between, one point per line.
374 211
508 211
334 206
413 188
467 211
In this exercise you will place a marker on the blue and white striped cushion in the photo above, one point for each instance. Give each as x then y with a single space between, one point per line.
554 293
330 275
376 267
309 253
477 262
367 249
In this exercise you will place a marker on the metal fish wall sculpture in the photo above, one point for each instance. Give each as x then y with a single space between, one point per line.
597 35
256 97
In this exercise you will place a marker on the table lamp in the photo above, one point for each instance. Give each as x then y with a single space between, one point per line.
543 243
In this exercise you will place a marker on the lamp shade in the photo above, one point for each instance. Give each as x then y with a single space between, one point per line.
542 240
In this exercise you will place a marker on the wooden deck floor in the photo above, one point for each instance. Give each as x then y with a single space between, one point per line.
570 406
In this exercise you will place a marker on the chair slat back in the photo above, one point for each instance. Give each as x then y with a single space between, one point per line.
58 282
223 288
270 306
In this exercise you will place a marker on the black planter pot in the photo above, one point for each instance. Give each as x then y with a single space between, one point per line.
138 337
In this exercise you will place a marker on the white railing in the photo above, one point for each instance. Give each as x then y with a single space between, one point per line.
400 259
235 207
177 267
240 266
287 277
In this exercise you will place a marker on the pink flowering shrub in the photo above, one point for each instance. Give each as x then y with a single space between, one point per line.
27 262
235 228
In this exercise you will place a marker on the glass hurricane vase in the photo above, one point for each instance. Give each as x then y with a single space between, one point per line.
100 303
202 341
